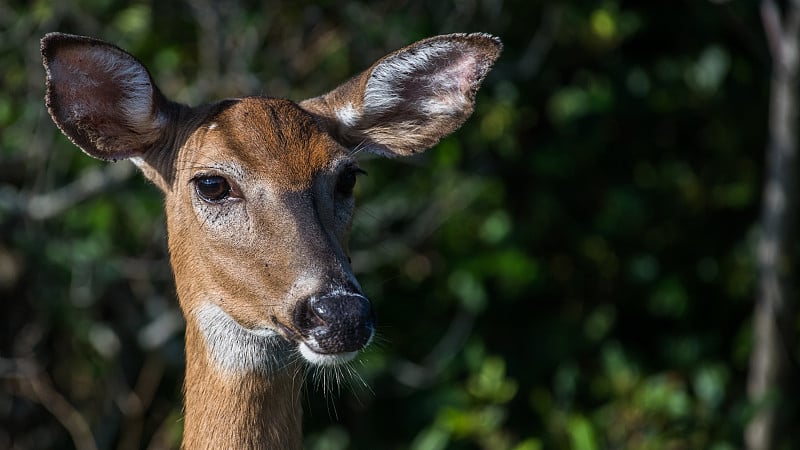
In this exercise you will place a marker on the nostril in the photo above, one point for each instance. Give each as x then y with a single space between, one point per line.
306 317
335 322
336 308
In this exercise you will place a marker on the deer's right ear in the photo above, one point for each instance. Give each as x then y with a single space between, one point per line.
101 97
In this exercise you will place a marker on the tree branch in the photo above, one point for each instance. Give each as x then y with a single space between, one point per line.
34 385
771 19
54 203
531 59
773 342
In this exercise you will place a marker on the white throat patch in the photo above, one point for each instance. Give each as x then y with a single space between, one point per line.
236 349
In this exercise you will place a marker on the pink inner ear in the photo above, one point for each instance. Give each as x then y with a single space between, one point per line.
439 79
459 74
458 79
465 71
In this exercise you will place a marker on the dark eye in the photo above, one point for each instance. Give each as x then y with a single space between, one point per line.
212 189
347 180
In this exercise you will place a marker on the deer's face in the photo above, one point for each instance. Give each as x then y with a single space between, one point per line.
259 191
259 211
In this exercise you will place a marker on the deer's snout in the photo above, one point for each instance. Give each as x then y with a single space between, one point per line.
335 323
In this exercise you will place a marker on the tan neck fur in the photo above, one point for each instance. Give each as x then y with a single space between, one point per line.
238 410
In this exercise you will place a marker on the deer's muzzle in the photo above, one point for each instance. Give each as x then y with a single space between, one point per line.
335 323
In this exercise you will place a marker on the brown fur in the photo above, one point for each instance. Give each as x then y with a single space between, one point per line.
281 235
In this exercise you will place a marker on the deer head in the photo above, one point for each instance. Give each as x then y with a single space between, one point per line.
259 191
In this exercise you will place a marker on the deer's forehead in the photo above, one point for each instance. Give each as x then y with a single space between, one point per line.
266 138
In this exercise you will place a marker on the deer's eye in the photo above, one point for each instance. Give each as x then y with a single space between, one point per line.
212 188
347 180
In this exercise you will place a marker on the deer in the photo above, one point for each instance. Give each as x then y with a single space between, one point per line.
258 194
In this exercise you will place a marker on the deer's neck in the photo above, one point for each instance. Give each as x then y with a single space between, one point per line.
239 391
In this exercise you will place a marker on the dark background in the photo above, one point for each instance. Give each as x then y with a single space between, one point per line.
573 269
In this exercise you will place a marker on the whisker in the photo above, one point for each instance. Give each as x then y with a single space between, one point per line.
361 146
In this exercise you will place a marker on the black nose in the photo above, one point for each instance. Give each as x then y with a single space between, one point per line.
335 323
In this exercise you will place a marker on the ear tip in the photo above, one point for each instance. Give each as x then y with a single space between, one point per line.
54 37
490 44
51 43
47 43
50 37
489 38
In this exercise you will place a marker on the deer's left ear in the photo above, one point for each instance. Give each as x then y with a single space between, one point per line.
101 97
410 99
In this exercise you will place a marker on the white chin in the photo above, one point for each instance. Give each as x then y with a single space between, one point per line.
323 359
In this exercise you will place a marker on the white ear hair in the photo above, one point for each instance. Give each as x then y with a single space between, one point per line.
410 99
390 77
136 102
101 97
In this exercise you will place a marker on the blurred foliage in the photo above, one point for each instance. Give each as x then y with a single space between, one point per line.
572 270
